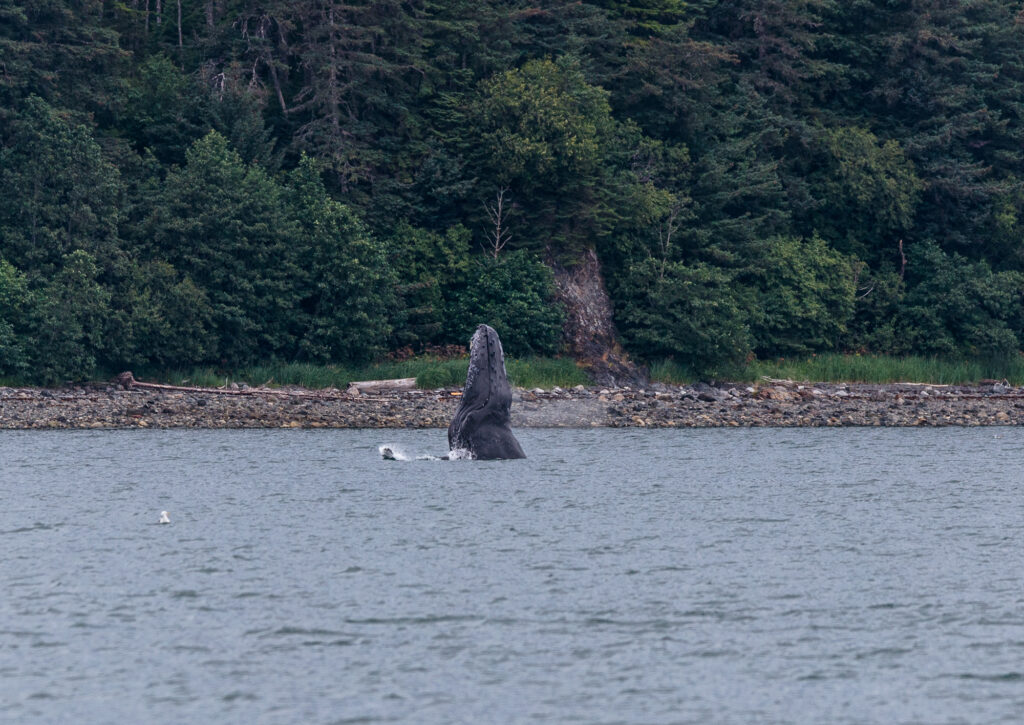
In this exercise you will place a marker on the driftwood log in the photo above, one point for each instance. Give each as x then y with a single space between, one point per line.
374 387
128 381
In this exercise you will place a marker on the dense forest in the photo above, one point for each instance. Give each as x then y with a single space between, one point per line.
226 181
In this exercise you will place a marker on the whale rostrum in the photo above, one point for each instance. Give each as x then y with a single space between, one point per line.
481 424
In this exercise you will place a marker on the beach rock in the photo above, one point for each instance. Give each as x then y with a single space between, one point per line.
702 405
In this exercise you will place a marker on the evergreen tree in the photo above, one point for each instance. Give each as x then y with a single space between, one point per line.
61 51
61 195
547 136
347 280
225 226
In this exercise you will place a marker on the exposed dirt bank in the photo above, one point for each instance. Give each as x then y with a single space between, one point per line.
769 404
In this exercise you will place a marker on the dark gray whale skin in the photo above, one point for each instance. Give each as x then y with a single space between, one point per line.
481 424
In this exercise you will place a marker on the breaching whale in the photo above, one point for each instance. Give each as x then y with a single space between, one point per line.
481 424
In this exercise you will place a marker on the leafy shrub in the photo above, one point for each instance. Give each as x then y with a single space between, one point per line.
954 306
689 313
515 295
805 295
14 300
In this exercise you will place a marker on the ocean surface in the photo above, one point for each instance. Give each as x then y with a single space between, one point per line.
615 576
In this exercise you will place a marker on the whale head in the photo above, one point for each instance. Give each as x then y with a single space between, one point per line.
486 380
481 424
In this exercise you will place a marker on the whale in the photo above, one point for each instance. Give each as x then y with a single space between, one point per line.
481 426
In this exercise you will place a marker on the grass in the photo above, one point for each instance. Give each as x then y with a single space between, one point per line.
545 372
537 372
834 367
429 372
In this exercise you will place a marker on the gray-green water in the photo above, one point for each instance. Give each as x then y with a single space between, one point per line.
727 576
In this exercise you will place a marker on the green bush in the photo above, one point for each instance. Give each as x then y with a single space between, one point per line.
804 296
14 300
691 314
168 319
227 227
432 268
957 307
514 294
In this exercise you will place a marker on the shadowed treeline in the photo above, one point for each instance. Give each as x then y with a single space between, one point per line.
231 183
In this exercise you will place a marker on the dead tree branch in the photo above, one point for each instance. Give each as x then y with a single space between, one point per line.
499 235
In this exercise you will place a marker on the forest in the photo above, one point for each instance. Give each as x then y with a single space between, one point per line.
227 182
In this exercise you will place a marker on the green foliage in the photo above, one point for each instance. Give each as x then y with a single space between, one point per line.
833 367
514 294
804 296
61 51
447 374
67 318
60 194
955 306
544 372
546 135
14 300
430 373
868 195
880 369
671 372
225 225
432 268
778 176
691 314
352 109
875 321
542 125
157 107
348 283
228 102
169 319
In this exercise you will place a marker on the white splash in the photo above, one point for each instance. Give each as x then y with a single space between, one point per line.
393 453
460 454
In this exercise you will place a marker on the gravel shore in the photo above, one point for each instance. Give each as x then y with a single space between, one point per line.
774 403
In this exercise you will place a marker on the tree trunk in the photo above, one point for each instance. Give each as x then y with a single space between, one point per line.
277 85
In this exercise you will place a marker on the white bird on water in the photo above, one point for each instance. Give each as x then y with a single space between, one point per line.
164 518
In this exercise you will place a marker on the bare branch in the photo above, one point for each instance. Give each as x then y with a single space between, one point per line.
665 231
500 235
868 290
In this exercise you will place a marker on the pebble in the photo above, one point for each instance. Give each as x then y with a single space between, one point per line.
105 406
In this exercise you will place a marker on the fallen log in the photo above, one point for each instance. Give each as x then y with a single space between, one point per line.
129 382
374 387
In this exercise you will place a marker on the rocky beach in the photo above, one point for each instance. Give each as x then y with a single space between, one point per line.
769 403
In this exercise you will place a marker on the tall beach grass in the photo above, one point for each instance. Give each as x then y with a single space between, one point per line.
430 373
835 367
538 372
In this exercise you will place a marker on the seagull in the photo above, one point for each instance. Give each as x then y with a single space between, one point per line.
164 518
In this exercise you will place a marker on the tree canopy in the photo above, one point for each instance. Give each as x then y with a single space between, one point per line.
225 181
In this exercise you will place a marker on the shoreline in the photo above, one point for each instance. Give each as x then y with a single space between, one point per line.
774 403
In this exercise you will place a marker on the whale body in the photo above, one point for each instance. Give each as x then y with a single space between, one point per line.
481 425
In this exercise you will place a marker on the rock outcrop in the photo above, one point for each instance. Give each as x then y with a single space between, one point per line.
589 329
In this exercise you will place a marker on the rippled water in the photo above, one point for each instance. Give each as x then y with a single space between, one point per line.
728 576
